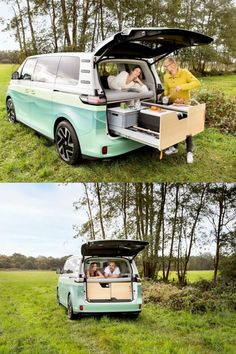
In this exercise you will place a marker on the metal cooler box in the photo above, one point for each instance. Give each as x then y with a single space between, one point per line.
122 117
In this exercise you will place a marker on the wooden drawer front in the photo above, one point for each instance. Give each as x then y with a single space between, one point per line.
121 291
96 292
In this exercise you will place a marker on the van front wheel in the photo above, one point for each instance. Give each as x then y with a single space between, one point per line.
67 143
11 113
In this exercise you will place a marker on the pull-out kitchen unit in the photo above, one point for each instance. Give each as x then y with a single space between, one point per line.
160 128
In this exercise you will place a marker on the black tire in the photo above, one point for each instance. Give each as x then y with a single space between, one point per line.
67 143
70 312
58 299
11 113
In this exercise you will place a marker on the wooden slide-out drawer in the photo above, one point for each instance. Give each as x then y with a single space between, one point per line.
175 124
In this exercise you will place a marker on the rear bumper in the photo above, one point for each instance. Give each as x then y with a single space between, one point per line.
102 308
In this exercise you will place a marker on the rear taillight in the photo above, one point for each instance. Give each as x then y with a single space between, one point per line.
104 150
95 100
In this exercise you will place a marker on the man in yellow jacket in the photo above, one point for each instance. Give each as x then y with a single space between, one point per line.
177 84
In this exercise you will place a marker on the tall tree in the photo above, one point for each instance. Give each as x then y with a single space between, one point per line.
30 19
222 214
65 21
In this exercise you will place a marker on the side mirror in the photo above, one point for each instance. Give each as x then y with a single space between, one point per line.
26 77
58 271
15 76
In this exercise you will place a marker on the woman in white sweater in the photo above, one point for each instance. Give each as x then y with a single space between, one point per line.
126 81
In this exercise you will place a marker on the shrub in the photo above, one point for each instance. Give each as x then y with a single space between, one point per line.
200 298
204 285
158 292
228 267
220 110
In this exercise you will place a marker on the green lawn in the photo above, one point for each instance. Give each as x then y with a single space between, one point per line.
32 323
224 83
194 275
25 156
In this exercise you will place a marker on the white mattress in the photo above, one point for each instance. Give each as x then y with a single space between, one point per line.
117 96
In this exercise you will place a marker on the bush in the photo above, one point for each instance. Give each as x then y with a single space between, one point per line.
220 110
158 292
228 267
200 298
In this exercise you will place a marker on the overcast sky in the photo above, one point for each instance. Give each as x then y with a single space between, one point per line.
37 219
6 41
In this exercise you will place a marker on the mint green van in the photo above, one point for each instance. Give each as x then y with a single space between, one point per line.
119 292
65 96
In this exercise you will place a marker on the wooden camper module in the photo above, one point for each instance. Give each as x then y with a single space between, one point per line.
174 130
109 291
173 127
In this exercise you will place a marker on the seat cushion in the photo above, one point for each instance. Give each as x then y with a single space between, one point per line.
117 96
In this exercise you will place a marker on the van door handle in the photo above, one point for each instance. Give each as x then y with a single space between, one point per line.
33 92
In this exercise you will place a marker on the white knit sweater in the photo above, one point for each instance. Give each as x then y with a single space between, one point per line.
119 83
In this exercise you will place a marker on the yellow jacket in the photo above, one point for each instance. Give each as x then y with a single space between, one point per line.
182 78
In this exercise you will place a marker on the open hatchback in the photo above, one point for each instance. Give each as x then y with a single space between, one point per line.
105 292
168 124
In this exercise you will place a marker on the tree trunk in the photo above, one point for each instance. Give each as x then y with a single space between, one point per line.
22 28
74 24
124 208
100 211
173 230
54 29
84 25
94 29
218 233
33 41
179 252
65 23
18 35
193 230
102 22
91 224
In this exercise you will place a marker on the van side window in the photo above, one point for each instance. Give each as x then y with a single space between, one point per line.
71 265
28 69
45 69
68 71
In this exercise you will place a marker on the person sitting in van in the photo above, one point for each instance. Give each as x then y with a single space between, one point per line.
112 271
93 271
126 81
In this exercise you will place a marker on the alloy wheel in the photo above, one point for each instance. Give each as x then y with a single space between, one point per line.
65 143
11 114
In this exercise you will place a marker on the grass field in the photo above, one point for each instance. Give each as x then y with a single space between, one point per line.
225 83
32 323
194 275
25 156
